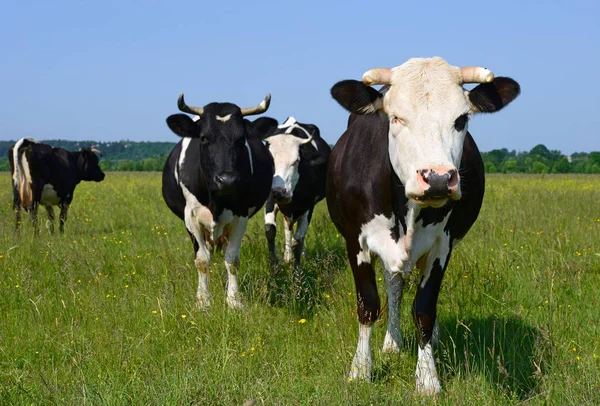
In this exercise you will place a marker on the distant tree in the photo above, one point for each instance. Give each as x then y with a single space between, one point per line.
509 166
490 167
562 166
539 167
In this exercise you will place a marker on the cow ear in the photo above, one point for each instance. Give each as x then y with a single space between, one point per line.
311 156
492 97
183 126
356 97
262 127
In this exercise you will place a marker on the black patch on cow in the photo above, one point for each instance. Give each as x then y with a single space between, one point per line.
431 215
461 122
356 97
492 97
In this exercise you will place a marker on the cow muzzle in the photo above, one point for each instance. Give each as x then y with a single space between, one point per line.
436 185
226 183
281 195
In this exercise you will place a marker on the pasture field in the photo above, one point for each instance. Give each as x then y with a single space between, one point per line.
105 314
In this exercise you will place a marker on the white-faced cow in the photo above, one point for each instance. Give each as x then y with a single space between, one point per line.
47 176
218 175
405 183
300 156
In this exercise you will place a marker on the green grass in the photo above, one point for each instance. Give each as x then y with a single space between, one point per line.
105 314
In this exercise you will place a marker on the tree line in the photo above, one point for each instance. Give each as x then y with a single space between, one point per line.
151 156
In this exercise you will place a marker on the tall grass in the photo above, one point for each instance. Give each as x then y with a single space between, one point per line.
105 313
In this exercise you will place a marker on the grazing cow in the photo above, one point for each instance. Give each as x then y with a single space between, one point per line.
300 156
218 175
405 183
48 176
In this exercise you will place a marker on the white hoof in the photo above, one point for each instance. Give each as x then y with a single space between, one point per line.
360 370
234 303
391 345
428 383
203 302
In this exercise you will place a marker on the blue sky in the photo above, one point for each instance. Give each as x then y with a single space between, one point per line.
112 70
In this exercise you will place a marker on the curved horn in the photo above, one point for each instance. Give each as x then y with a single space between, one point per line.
475 74
377 76
308 140
258 109
96 151
188 109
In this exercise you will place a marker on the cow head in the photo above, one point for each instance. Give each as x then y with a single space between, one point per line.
291 146
223 133
88 163
428 112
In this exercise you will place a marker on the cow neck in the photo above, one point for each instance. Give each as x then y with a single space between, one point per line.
73 157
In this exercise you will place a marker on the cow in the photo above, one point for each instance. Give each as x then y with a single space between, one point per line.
405 183
300 156
215 179
47 176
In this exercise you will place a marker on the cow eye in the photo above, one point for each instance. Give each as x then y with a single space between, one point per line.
461 122
396 120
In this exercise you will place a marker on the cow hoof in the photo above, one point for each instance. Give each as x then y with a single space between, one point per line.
391 345
360 370
234 303
428 386
203 303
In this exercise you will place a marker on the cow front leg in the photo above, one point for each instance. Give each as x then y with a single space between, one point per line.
202 263
298 242
271 210
368 308
50 222
393 336
425 315
288 225
232 260
62 218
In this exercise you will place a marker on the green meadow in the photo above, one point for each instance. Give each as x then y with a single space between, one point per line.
105 314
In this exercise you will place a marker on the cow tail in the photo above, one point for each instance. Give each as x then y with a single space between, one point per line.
22 176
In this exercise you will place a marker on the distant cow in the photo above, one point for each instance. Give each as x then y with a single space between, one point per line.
218 175
405 183
47 176
300 156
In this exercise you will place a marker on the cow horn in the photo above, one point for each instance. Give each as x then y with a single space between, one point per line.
377 76
188 109
96 151
475 74
258 109
309 139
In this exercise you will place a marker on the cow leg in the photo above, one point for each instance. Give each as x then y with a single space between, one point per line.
62 218
288 224
17 209
298 242
232 260
33 214
50 222
271 210
367 307
425 315
202 263
393 336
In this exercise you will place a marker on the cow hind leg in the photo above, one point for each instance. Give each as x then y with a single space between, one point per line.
33 214
17 209
271 229
50 222
298 241
232 260
62 218
425 315
368 308
288 225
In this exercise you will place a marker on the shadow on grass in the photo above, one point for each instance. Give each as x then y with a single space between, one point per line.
511 354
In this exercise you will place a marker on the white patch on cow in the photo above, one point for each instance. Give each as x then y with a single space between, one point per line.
225 218
232 260
16 174
427 378
223 119
185 143
271 217
393 336
362 362
423 102
195 118
285 149
375 238
439 250
249 157
49 196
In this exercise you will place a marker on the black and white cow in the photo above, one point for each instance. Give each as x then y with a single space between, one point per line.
218 175
300 156
47 176
405 183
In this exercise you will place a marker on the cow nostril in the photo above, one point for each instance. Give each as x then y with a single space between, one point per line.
453 180
424 173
